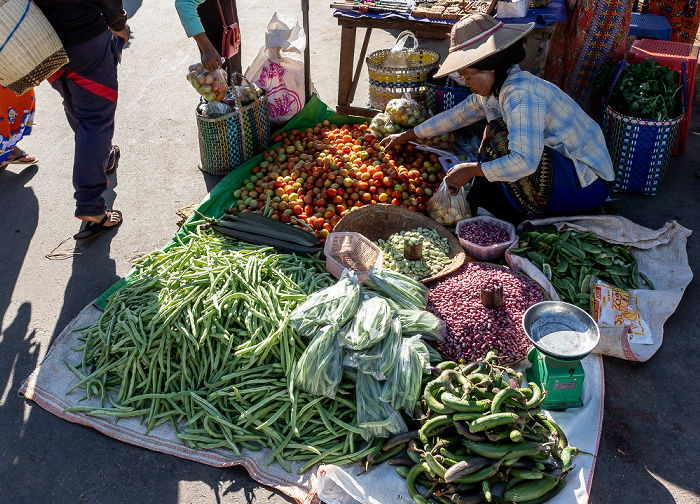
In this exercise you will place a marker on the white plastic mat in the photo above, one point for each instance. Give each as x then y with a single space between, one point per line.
47 386
661 255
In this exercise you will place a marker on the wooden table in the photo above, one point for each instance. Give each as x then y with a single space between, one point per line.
349 72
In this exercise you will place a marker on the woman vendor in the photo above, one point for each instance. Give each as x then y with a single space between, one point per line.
541 154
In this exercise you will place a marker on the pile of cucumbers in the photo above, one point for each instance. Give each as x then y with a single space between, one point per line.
480 438
571 259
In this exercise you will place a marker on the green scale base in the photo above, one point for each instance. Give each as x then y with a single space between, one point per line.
562 379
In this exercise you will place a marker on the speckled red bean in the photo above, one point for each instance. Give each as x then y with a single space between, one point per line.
472 329
482 233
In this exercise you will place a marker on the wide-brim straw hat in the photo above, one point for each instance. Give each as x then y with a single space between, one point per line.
476 37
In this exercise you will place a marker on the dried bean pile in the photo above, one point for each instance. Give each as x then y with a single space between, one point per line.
482 233
472 329
492 286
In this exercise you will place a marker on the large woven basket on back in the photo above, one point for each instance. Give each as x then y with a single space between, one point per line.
30 50
380 221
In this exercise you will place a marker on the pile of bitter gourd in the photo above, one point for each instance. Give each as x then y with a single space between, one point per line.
481 437
571 259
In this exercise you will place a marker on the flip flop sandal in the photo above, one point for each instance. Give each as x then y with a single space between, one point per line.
19 160
113 160
95 229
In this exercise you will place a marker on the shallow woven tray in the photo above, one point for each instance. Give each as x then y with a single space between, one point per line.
378 222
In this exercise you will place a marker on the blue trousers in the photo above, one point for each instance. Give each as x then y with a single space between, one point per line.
88 85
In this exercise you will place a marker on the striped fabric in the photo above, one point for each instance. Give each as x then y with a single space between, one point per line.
537 114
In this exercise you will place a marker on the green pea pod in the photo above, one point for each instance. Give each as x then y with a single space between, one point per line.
491 421
531 490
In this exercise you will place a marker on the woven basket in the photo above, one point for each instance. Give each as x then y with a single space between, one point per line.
30 50
639 148
352 251
227 141
378 222
441 98
387 83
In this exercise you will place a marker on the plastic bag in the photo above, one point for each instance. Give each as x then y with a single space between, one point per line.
212 86
611 306
376 417
368 294
245 94
409 294
213 109
403 385
378 360
319 369
381 126
442 142
398 55
332 306
279 68
421 322
369 326
406 111
448 210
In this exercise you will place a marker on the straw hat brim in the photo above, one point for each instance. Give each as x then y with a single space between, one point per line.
505 36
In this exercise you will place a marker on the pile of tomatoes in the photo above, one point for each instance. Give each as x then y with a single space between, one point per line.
315 177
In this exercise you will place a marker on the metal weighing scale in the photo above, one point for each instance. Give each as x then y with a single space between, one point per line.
562 334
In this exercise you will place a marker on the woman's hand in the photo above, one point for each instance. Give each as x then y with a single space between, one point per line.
124 33
460 174
397 139
211 59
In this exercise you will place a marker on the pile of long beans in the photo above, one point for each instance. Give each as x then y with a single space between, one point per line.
482 438
200 339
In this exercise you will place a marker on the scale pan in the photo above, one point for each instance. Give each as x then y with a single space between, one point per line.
561 330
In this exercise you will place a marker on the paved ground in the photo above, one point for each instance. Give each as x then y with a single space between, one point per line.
649 448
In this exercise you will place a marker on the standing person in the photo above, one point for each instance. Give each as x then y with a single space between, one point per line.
595 33
16 119
541 154
202 21
88 85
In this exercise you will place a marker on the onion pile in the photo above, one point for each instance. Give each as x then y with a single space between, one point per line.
473 329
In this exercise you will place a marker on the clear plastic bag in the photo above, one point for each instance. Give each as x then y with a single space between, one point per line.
320 368
376 417
212 86
398 55
406 111
369 326
377 360
332 306
368 294
214 109
381 126
244 93
446 209
409 294
403 385
421 322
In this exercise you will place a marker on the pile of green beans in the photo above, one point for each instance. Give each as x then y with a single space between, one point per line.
479 429
571 259
200 338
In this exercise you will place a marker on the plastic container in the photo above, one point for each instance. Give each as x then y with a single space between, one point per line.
492 251
507 10
351 251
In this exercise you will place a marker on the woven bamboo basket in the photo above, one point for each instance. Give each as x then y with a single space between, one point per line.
30 50
378 222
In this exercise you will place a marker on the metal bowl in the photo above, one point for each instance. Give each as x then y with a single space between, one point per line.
561 330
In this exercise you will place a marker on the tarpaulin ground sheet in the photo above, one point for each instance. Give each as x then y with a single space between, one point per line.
47 386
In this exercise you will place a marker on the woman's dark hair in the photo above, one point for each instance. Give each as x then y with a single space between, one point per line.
500 62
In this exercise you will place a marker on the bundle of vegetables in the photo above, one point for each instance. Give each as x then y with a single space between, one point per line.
377 418
382 126
369 326
210 350
481 429
647 90
571 259
421 322
317 176
211 85
403 384
435 250
472 328
380 358
406 111
406 292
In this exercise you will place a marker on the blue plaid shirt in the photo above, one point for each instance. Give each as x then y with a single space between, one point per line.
537 114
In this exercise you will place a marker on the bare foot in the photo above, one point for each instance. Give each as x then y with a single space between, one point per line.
113 218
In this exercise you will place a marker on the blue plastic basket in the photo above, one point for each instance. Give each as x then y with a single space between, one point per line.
640 148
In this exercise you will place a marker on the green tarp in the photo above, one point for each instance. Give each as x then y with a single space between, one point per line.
221 196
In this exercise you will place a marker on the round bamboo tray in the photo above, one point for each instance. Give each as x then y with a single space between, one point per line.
378 222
